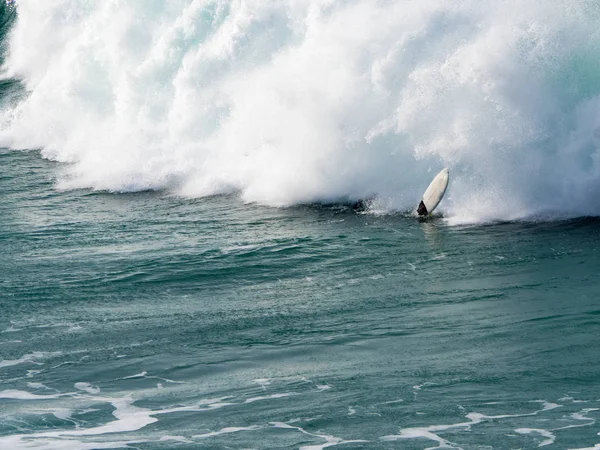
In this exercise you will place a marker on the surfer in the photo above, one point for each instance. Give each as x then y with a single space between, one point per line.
363 204
359 205
422 209
430 200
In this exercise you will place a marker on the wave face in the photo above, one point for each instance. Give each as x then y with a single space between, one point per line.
299 101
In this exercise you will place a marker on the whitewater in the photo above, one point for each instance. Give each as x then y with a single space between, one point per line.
181 266
292 102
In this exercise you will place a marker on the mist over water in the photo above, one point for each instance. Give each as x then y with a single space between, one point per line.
303 101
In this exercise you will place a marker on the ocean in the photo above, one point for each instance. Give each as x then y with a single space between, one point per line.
180 264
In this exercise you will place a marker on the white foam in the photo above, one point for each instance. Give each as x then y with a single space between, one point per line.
416 433
547 405
31 358
430 432
54 325
137 375
24 395
330 441
128 418
38 386
268 397
87 387
550 438
263 382
351 99
62 413
226 430
580 416
144 374
203 405
17 443
66 415
176 439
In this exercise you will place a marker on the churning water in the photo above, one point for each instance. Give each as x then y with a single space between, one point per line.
178 268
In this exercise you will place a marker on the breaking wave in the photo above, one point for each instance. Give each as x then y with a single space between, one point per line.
299 101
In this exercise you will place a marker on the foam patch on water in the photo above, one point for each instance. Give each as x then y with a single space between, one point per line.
144 374
227 430
30 358
264 382
137 375
39 386
330 441
87 387
17 394
581 416
268 397
16 443
550 438
292 102
129 418
176 439
431 432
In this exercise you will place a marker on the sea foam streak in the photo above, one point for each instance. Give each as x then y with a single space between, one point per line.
299 101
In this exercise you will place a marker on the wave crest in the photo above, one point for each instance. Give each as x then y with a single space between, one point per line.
300 101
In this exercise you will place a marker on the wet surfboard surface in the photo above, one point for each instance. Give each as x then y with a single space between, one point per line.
434 193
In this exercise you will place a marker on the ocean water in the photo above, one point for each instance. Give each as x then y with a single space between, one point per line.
179 266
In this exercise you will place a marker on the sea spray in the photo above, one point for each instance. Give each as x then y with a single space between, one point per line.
299 101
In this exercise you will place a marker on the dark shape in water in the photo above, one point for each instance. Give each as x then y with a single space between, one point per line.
362 204
359 205
422 210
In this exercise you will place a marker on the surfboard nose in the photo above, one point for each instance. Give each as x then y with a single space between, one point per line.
445 173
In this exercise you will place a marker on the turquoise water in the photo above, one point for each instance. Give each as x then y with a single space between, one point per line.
151 321
178 268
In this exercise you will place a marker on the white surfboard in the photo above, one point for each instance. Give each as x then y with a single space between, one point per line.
434 193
